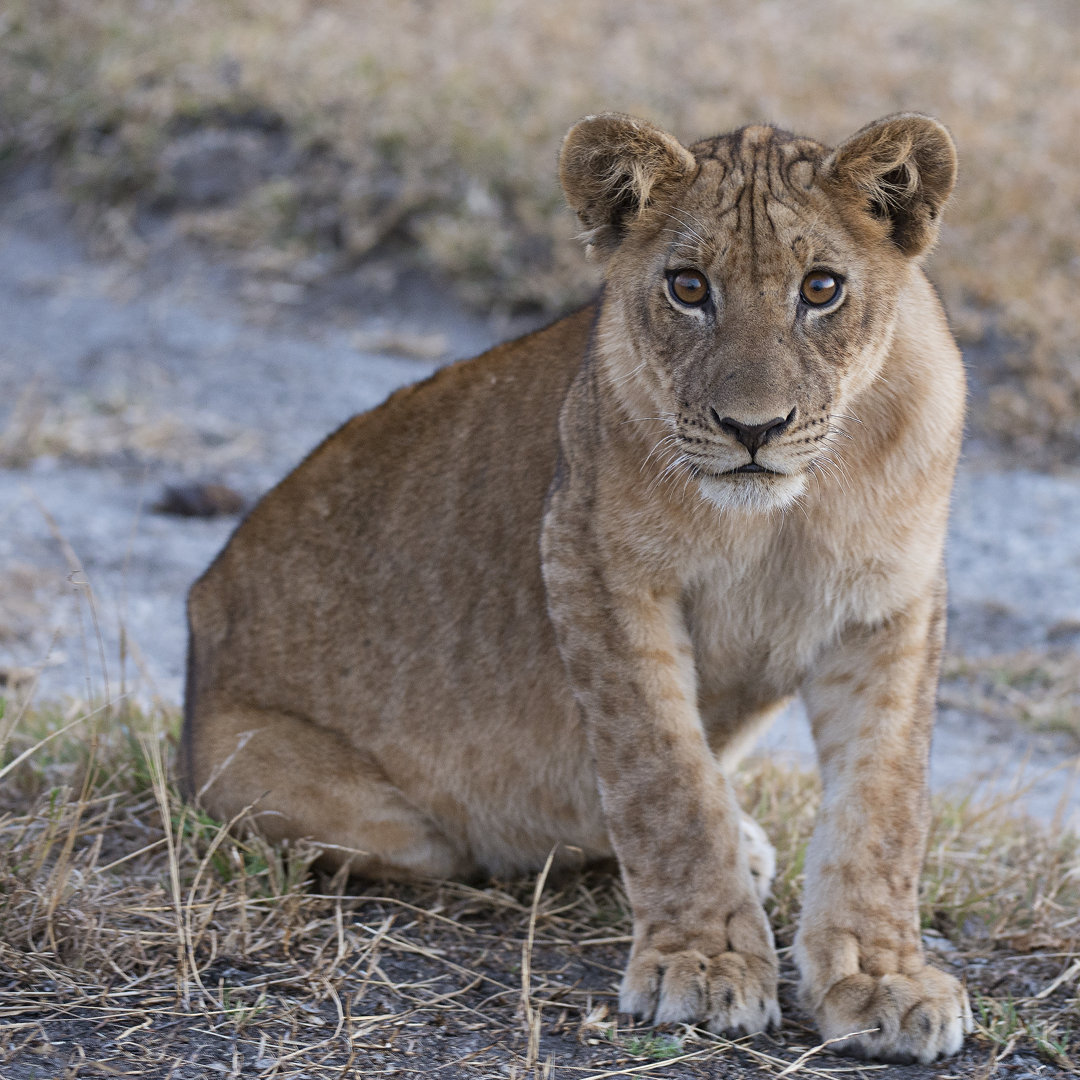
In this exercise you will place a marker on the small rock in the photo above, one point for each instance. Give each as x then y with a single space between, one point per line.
934 939
199 500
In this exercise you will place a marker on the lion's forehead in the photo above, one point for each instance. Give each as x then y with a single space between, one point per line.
756 192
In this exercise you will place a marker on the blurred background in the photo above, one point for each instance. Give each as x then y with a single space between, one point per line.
314 136
228 224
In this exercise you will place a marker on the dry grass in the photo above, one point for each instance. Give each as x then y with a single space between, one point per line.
1039 689
138 937
431 128
117 430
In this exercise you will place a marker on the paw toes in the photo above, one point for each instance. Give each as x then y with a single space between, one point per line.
683 992
724 993
640 989
897 1018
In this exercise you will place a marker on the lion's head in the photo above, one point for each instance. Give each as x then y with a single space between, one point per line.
752 284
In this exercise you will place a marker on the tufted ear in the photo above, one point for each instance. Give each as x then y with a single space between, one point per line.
612 167
903 168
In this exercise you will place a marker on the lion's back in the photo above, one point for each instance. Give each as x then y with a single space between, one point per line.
401 556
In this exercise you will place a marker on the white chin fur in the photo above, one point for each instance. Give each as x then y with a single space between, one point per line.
754 493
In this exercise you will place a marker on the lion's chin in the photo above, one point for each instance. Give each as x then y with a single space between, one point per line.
752 492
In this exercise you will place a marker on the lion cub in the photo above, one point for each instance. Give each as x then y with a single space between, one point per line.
549 595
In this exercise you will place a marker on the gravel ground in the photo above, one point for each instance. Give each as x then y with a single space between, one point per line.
118 377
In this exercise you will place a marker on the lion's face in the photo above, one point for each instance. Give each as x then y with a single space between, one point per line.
747 304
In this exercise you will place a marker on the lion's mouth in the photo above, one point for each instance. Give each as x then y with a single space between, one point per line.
750 486
751 468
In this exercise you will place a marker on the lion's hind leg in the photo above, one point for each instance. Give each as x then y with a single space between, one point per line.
292 779
760 854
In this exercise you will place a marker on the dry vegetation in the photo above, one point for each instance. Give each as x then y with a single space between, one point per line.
1038 689
137 937
115 431
428 129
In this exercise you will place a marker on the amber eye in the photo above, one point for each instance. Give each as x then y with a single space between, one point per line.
689 287
819 287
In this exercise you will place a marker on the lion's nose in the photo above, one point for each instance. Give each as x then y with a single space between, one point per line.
753 436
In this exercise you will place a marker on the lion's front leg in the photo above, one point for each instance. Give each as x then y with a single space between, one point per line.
858 948
703 950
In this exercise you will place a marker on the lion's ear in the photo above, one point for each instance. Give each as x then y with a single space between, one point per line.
903 168
612 166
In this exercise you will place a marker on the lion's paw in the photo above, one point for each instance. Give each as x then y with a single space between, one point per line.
905 1018
729 992
760 854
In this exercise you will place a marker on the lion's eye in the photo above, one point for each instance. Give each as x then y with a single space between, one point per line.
819 287
689 287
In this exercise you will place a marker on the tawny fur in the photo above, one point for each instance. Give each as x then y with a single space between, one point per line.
528 603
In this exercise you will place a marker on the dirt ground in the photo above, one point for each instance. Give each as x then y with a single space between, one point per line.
435 989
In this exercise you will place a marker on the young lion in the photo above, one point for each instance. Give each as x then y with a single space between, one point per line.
549 595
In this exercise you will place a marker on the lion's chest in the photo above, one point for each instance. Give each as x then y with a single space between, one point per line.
758 619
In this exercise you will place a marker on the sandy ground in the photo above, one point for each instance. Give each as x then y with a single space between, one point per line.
118 377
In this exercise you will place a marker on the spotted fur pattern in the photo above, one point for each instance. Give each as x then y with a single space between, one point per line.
542 600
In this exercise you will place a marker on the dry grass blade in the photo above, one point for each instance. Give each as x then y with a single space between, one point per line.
41 743
814 1051
152 750
532 1016
1070 973
708 1053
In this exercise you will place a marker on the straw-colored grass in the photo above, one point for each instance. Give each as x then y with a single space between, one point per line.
117 430
429 128
137 937
1038 689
